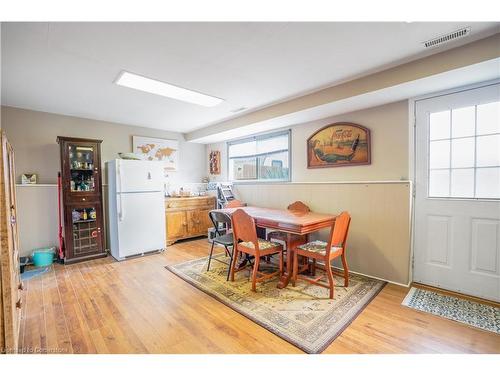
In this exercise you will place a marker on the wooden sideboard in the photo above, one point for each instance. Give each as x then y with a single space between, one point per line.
187 217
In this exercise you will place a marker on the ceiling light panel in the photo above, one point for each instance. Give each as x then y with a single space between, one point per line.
156 87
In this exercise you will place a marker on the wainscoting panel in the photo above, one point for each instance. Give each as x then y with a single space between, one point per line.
379 239
37 216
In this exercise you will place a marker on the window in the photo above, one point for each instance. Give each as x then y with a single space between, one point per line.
464 152
261 158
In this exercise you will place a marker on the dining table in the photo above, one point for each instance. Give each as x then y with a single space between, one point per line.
288 221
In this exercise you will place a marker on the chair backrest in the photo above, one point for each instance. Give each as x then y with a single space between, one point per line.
220 219
244 228
299 206
338 234
234 203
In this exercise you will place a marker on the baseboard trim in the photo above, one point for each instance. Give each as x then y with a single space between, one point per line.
374 277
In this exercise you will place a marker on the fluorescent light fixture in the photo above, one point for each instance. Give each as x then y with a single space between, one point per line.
153 86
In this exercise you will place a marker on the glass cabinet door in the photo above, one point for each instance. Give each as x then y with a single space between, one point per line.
82 168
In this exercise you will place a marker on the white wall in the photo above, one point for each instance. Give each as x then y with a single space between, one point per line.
379 239
388 126
379 235
33 136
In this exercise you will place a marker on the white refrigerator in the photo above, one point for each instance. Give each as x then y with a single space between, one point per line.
136 207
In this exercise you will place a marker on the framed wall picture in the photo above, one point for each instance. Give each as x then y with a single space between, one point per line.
214 160
28 178
158 149
339 145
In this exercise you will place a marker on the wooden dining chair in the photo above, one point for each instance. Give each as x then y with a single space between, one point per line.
295 239
246 242
326 252
223 236
234 204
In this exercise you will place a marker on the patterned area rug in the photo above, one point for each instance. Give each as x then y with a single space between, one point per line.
304 316
476 314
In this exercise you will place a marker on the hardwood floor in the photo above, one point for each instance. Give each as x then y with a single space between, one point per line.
137 306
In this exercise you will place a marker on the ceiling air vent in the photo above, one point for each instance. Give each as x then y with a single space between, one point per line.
447 37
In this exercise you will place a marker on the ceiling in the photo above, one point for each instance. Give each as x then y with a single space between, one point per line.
69 68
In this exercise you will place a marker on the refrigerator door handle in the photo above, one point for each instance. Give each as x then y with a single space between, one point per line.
122 210
121 213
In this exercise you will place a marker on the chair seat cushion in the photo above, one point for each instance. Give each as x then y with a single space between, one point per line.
263 244
282 236
318 247
226 239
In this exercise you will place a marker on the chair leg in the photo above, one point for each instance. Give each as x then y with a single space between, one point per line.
313 268
210 256
233 263
230 263
254 273
329 274
346 271
295 268
281 263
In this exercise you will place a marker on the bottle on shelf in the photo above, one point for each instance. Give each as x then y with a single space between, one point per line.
84 215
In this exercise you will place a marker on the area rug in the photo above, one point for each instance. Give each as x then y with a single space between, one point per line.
473 313
302 315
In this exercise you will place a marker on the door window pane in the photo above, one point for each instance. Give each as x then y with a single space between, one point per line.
439 125
439 154
488 182
463 122
439 183
488 118
488 151
462 183
462 152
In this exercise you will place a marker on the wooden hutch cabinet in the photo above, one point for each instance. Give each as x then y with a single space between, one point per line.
82 198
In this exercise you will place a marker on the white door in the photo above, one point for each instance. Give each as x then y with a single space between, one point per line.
457 202
141 222
138 175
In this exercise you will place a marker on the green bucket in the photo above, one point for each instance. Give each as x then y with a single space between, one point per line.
43 257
